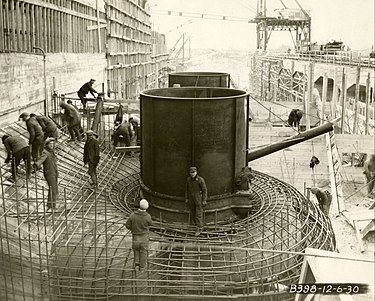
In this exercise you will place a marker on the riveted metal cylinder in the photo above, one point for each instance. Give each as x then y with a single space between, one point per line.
199 79
203 127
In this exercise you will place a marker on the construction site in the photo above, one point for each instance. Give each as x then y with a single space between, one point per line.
257 243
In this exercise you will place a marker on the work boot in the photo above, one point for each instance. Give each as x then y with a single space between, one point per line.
198 231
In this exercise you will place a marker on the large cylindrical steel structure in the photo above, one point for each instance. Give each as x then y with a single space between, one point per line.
199 79
181 127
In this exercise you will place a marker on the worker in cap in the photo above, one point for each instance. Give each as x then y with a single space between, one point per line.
85 89
122 135
49 161
91 156
36 135
48 126
324 198
17 150
138 223
196 198
73 119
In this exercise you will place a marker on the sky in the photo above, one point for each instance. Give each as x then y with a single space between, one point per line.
349 21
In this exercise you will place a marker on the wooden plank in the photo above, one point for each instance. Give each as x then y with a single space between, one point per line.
359 237
2 20
367 120
324 97
13 40
343 100
33 29
357 89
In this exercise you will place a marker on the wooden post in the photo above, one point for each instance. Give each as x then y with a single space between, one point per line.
98 21
98 113
324 97
291 82
343 101
367 123
2 27
308 100
261 81
334 95
357 86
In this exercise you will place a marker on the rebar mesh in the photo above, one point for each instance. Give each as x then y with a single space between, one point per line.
83 250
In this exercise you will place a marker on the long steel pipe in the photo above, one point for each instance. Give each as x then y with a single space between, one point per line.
301 137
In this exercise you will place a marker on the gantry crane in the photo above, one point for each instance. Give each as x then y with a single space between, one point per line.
288 19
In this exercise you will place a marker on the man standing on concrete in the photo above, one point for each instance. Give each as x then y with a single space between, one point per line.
73 118
36 138
48 126
17 149
196 198
86 88
49 161
324 198
139 223
91 156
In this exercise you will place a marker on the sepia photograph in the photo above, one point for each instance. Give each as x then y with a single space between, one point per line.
187 150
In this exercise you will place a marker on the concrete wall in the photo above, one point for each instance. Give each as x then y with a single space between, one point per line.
22 80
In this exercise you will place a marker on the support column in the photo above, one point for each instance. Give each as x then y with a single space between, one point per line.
324 97
356 100
343 101
310 87
334 95
367 123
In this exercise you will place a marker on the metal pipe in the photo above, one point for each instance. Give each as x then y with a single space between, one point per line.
274 147
45 79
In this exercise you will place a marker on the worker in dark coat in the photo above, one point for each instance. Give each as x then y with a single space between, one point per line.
138 223
196 198
243 179
295 117
324 198
91 155
86 88
122 135
17 149
48 126
36 138
50 171
73 118
134 122
369 171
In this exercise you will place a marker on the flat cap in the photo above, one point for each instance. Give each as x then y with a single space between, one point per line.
192 169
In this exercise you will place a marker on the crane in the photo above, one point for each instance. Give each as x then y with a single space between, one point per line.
265 25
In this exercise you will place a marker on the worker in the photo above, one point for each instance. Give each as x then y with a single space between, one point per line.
119 114
243 179
48 126
295 117
91 155
17 149
36 138
86 88
71 103
138 223
50 171
369 171
122 135
135 123
73 118
324 198
196 198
